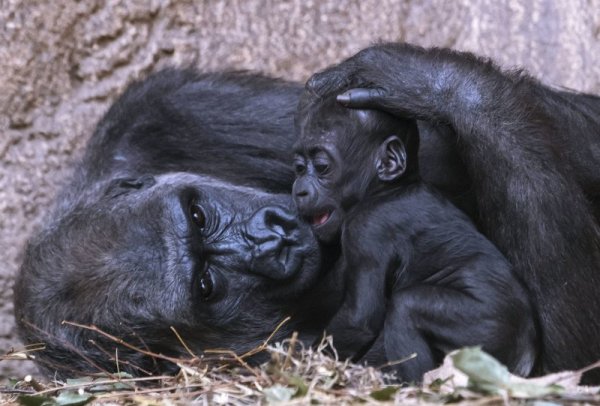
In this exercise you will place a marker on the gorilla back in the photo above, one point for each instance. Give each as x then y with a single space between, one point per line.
175 217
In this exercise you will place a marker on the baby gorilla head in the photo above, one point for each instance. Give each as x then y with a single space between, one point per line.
344 154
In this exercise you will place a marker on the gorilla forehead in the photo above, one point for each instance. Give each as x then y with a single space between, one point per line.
157 216
225 192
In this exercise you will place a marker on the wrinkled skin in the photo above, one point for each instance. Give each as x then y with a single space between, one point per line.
525 157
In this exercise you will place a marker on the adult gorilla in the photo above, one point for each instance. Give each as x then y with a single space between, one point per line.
179 213
532 155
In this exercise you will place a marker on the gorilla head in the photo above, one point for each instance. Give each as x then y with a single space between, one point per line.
220 263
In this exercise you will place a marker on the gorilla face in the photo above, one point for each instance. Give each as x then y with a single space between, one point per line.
220 263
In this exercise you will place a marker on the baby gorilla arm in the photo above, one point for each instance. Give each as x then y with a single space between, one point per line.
364 264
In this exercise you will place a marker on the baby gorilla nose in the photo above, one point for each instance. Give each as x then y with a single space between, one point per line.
274 237
304 194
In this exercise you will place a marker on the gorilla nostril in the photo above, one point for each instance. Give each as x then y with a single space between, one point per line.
281 221
272 223
273 242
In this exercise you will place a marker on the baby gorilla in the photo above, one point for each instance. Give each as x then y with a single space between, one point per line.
410 259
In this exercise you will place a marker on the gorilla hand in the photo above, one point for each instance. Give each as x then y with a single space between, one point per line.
436 85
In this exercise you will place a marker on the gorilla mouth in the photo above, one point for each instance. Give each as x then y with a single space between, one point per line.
320 219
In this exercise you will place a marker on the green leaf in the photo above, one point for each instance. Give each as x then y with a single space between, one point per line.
70 398
279 393
122 375
80 381
110 387
483 370
385 394
299 384
436 385
35 400
490 376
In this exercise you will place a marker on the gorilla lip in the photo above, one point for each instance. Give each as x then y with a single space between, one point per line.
320 219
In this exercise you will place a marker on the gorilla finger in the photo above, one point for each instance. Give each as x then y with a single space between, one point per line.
327 81
362 98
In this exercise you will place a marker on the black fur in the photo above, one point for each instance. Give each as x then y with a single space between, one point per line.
526 152
125 249
418 274
532 156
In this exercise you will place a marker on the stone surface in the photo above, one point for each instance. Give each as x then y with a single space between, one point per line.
63 62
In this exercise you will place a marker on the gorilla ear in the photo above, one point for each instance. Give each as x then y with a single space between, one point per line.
390 161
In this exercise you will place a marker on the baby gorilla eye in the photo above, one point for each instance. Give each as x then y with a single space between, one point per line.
198 216
321 167
299 168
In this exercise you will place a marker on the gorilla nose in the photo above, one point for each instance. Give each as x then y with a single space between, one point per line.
273 234
303 195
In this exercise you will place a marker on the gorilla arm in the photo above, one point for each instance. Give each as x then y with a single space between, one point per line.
528 197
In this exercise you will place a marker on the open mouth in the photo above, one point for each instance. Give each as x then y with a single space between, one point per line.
320 219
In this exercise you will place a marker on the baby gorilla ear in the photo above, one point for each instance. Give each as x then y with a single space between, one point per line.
390 161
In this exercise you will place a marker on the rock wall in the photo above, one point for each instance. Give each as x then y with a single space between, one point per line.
63 62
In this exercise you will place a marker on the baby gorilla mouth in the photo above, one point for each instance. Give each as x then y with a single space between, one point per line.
320 219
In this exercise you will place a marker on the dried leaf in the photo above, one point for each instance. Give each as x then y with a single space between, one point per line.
566 379
279 393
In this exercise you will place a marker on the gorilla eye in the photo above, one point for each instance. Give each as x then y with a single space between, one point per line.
299 168
321 168
205 285
198 216
299 165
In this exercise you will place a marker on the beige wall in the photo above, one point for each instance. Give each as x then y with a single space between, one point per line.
63 62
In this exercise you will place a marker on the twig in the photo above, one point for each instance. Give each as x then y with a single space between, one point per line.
397 362
589 367
123 342
156 390
68 346
17 391
34 384
290 351
263 346
183 342
237 358
121 361
103 382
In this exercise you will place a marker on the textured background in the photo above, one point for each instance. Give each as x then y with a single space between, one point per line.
63 62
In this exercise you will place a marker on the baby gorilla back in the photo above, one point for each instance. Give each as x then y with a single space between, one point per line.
418 271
